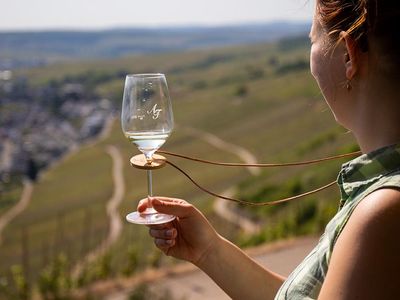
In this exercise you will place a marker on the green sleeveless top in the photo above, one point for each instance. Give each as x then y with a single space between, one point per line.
357 179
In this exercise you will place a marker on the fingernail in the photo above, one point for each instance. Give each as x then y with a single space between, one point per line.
169 242
169 233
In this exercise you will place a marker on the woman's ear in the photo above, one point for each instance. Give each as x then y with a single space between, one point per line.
350 56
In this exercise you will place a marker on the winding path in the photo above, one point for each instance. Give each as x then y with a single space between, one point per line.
223 208
244 154
26 195
14 211
115 226
117 197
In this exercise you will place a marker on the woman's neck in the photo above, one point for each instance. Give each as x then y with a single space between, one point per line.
377 118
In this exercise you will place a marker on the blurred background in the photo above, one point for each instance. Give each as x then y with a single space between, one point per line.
238 74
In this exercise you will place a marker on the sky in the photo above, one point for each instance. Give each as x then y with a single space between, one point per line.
104 14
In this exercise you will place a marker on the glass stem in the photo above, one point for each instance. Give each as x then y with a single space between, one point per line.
149 187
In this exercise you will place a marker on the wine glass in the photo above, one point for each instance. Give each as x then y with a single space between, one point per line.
147 121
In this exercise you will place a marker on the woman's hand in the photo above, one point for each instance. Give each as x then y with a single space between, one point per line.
189 237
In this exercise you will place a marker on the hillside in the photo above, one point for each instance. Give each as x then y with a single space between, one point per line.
36 48
259 97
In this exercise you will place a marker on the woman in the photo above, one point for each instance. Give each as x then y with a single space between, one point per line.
355 61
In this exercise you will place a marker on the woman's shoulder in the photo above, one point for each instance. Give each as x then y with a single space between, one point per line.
377 216
381 203
368 249
376 219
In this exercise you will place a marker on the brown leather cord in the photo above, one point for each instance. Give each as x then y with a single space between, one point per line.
308 162
247 202
301 163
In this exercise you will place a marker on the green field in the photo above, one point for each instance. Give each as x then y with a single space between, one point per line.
259 97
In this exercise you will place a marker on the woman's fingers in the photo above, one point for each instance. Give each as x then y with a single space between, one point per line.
164 244
168 199
143 204
164 238
165 233
170 206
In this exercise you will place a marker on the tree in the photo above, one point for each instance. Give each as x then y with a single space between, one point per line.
32 169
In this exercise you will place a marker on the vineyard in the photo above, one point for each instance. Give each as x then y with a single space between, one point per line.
261 98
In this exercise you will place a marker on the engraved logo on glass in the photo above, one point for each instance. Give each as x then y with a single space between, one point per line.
155 112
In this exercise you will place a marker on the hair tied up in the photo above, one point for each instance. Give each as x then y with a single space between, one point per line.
373 24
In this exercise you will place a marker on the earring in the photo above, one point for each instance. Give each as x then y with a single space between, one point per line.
348 85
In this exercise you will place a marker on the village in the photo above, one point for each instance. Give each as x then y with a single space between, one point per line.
40 124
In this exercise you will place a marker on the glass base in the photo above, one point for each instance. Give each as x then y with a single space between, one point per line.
149 218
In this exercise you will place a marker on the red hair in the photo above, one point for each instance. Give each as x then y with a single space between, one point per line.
373 24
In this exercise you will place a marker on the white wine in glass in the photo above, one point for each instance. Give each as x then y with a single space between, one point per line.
147 121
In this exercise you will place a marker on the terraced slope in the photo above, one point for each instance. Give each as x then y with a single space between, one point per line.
261 98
